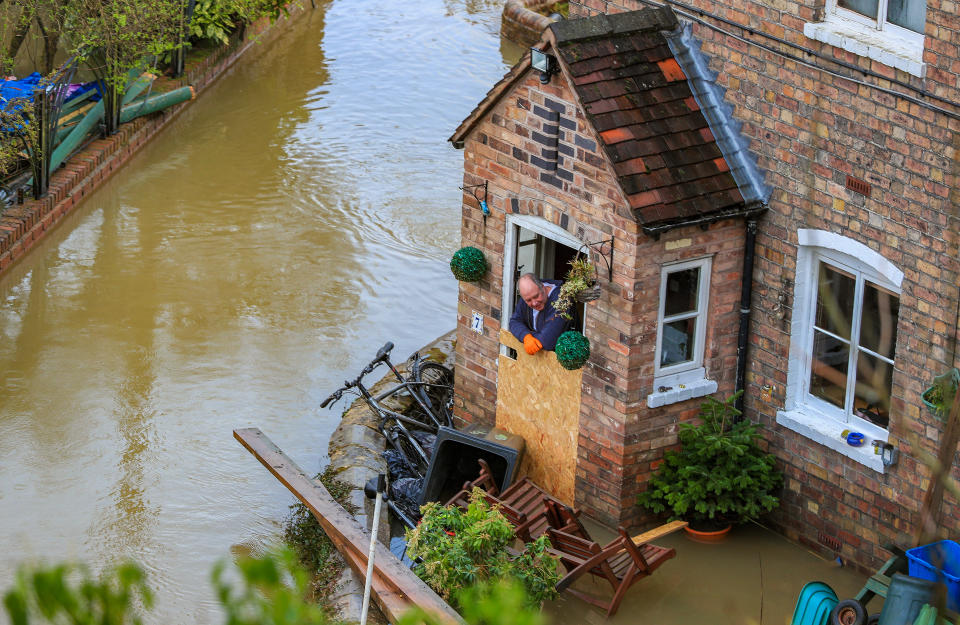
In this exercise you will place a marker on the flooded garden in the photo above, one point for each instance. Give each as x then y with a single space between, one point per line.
300 213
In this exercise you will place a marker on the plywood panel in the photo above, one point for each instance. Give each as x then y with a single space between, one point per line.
540 401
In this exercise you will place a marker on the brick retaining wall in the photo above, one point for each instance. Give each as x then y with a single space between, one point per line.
22 226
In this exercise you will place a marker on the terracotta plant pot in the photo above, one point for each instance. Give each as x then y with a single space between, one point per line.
712 536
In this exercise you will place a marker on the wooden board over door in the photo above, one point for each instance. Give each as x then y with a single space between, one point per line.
540 401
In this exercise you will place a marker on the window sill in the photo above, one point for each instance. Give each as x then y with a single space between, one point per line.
681 392
882 46
827 432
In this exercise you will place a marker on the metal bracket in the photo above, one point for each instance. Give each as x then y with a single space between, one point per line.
482 203
597 247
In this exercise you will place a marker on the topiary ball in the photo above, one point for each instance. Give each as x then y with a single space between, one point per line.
572 350
468 264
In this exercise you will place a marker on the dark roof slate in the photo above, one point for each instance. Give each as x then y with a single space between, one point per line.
639 100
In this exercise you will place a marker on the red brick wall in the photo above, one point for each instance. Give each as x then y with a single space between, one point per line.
619 437
810 130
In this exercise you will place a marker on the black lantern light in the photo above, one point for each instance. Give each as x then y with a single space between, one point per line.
544 63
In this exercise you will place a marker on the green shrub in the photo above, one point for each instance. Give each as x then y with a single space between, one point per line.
459 550
720 475
70 594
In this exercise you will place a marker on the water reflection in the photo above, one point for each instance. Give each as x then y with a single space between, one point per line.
299 214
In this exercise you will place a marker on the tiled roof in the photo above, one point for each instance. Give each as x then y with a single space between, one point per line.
639 100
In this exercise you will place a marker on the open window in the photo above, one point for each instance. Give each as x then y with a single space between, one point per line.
534 245
842 344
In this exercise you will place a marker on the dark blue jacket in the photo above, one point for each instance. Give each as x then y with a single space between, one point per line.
550 325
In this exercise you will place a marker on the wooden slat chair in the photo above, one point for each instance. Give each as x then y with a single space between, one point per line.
620 562
521 499
564 518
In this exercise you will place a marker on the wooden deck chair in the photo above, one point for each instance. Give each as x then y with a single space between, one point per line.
564 518
484 480
620 562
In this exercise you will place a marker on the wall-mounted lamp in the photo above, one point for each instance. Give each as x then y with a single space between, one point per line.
544 63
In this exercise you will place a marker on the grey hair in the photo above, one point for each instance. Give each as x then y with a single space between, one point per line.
533 278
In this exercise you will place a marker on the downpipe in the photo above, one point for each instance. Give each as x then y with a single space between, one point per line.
746 294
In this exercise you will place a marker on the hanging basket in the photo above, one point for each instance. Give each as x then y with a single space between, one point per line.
589 294
939 396
572 350
468 264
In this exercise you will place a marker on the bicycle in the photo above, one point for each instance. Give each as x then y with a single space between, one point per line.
432 397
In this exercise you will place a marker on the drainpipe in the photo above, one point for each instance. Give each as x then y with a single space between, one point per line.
746 293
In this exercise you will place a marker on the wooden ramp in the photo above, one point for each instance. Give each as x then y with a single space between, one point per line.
395 588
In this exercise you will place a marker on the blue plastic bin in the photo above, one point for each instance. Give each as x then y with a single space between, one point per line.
939 562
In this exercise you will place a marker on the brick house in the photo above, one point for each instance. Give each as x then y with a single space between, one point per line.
677 146
646 172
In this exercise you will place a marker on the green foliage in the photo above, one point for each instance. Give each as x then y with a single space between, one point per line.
572 350
495 603
272 591
459 550
581 277
216 19
71 595
468 264
16 143
939 397
720 473
314 550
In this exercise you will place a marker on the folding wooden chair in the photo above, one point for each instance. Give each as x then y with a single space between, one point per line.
620 562
564 518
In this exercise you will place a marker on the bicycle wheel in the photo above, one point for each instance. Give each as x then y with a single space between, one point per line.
401 440
435 389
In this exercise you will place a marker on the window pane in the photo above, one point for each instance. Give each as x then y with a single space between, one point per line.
681 293
676 344
828 369
835 295
878 325
864 7
872 392
910 14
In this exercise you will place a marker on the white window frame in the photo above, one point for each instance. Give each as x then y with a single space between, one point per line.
535 224
685 380
803 413
877 39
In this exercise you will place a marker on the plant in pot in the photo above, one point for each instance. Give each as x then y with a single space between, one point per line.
719 476
579 285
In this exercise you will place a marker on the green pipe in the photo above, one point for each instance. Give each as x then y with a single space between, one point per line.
155 103
89 121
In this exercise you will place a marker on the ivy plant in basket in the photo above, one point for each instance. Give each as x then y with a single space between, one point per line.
720 476
580 285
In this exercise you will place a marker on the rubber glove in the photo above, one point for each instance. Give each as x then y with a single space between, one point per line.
532 344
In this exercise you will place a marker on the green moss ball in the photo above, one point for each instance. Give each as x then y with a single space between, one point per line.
572 350
468 264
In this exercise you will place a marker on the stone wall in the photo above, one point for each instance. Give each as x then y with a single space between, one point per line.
812 129
355 449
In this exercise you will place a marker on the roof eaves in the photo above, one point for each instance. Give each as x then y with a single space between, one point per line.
719 115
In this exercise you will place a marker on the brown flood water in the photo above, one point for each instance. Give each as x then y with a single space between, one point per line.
301 213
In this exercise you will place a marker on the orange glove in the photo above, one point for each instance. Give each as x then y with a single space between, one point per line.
532 344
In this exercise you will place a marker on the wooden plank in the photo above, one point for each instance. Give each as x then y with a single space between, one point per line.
657 532
395 587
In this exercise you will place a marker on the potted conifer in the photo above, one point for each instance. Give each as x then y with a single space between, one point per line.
719 476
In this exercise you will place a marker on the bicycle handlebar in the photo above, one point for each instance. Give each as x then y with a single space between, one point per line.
383 354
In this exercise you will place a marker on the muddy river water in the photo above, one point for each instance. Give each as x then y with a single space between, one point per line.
299 214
